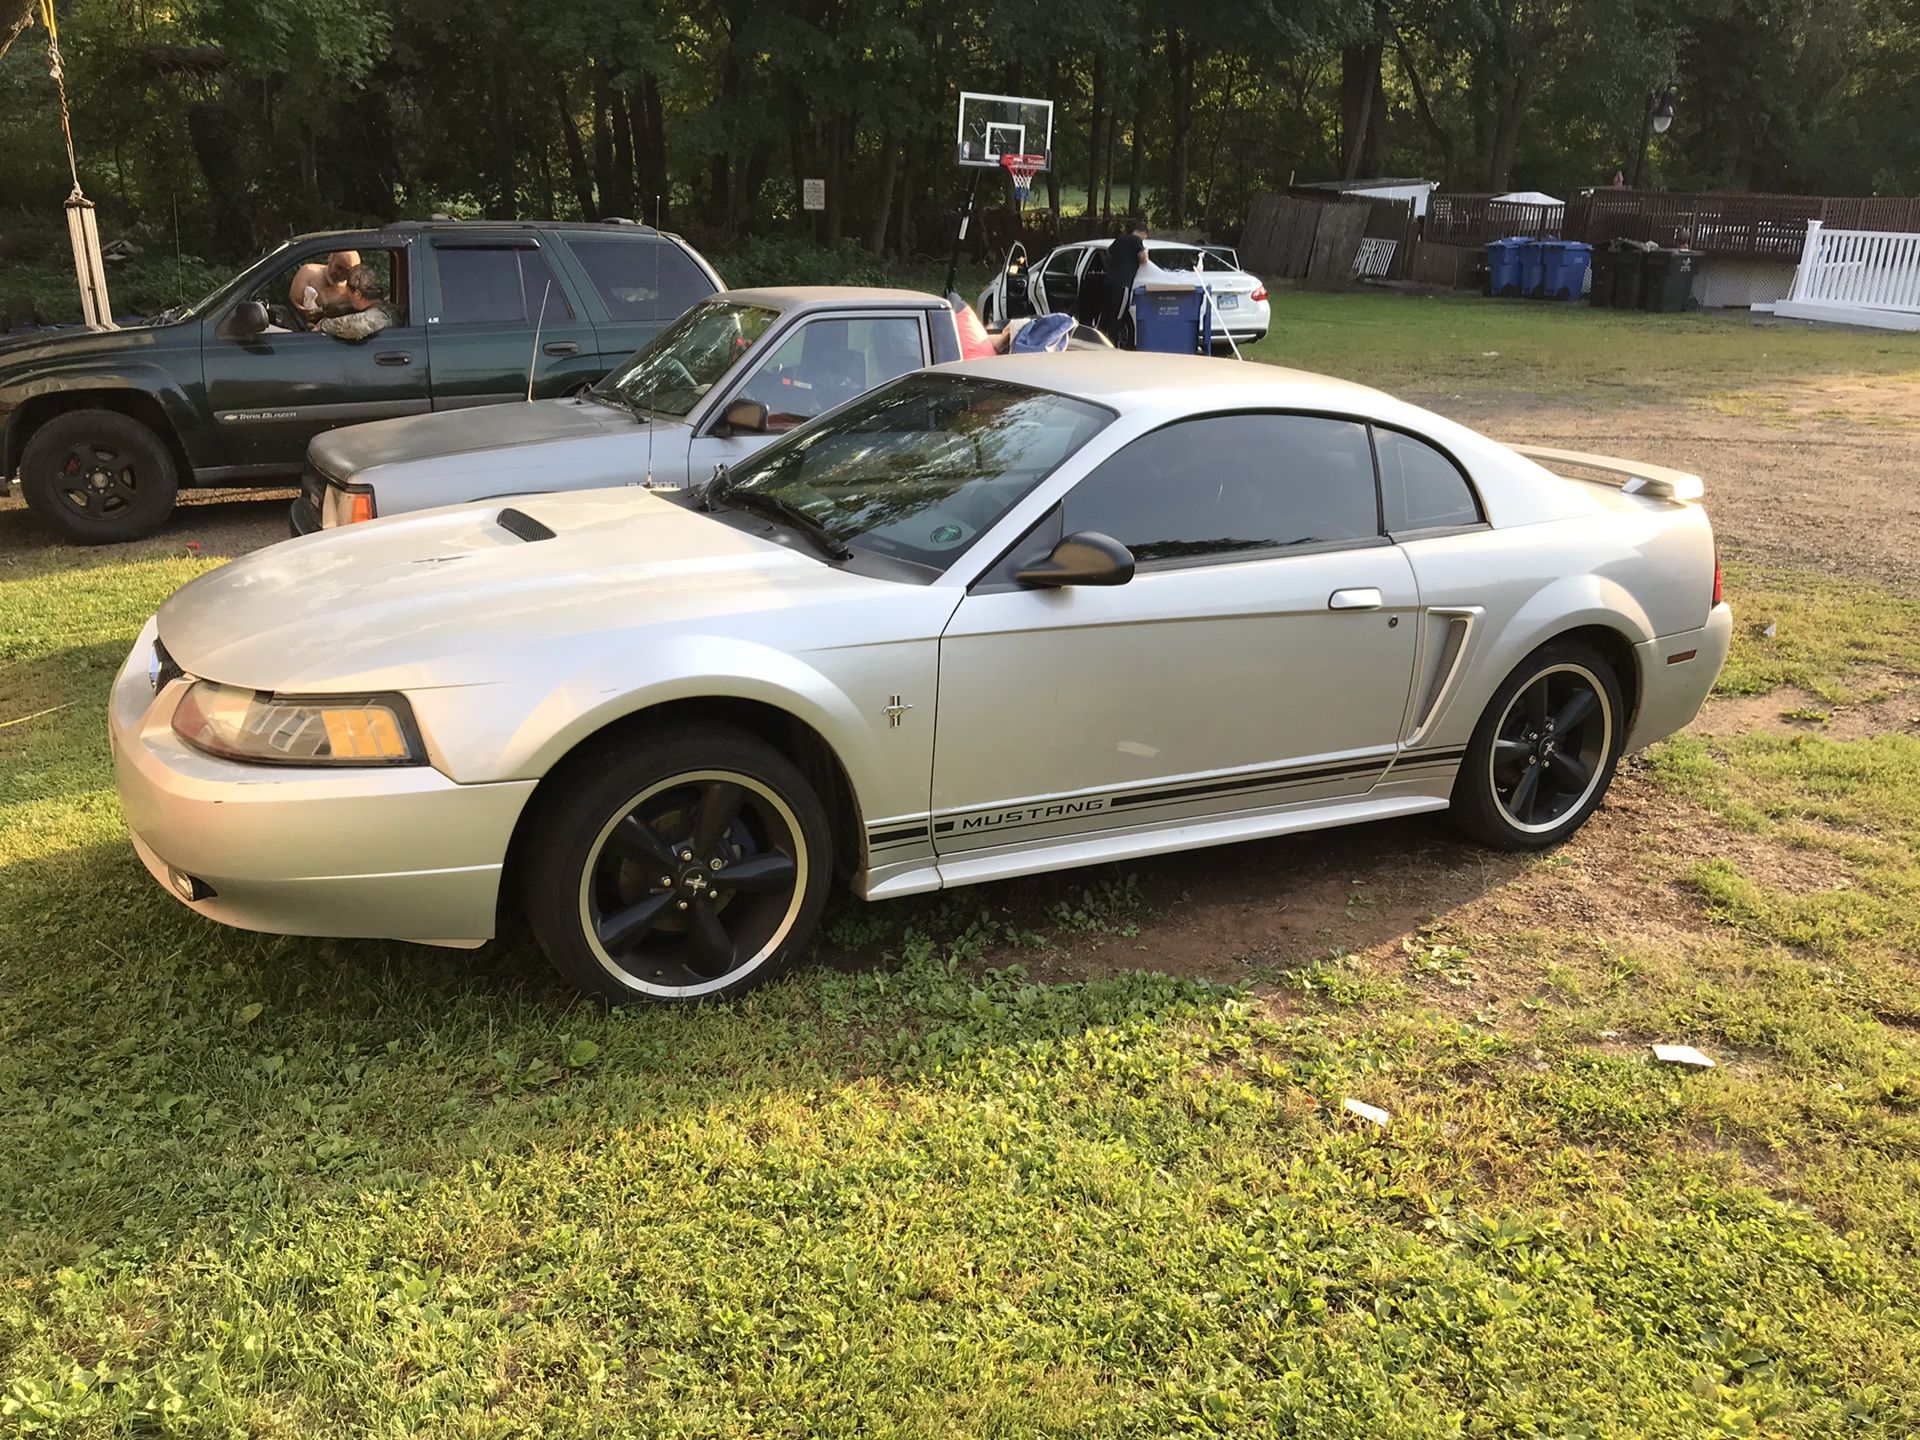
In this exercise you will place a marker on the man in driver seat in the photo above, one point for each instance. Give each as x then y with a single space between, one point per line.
368 313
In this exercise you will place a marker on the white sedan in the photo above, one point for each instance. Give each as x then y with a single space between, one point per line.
1072 281
991 619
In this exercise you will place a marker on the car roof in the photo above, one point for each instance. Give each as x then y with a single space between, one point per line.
495 227
791 297
1116 377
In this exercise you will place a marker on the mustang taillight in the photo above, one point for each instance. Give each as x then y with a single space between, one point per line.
1259 292
1717 590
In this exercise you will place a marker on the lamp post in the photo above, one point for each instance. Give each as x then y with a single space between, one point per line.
1654 120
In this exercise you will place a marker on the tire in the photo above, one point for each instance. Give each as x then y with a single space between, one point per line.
1565 688
622 817
98 477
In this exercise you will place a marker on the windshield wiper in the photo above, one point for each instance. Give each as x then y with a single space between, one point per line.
720 490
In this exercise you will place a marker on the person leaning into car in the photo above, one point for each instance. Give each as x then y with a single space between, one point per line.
322 289
368 312
1124 257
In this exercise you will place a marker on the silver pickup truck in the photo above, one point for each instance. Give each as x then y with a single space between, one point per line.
730 375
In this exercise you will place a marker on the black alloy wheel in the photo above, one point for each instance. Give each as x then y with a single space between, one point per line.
1544 752
700 872
98 476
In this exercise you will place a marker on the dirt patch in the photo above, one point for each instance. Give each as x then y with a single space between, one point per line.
1824 479
1894 710
221 523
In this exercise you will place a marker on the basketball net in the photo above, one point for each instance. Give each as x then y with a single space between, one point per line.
1022 168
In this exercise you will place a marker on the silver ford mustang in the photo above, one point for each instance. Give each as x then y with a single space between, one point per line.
991 619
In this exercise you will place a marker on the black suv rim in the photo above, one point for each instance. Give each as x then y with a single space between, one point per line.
693 884
98 480
1550 748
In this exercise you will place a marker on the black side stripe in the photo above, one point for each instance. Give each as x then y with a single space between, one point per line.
1252 782
893 837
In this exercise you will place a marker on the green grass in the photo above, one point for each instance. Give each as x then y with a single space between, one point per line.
1462 343
1838 640
260 1186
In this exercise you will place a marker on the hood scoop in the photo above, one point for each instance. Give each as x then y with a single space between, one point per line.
518 522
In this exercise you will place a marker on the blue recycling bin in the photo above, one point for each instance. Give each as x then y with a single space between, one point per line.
1565 269
1532 269
1503 266
1172 319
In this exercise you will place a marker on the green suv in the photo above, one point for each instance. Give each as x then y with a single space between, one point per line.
102 427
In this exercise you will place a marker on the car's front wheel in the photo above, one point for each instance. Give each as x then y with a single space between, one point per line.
1544 751
676 866
98 477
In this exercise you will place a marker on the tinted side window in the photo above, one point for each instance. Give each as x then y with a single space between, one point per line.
642 280
502 286
1062 262
1420 488
828 362
1226 484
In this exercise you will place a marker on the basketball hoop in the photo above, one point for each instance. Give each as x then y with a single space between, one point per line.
1023 168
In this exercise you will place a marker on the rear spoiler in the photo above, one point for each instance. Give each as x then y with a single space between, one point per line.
1635 478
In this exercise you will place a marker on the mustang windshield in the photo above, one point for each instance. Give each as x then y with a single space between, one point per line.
688 358
918 469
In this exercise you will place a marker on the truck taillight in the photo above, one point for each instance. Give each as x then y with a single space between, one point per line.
360 507
1717 590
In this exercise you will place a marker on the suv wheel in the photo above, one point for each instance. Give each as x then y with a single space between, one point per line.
681 866
98 477
1544 752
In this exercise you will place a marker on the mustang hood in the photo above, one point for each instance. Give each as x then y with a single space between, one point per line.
454 597
345 452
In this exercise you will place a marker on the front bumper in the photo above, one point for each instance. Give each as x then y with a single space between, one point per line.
401 853
1676 676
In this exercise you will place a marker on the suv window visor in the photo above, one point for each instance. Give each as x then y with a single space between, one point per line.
679 366
919 469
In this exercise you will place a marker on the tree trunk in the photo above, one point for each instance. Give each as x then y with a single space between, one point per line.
506 189
1106 176
1362 107
1180 68
603 180
837 145
1134 176
1512 113
883 193
1096 147
1425 111
618 113
650 149
576 153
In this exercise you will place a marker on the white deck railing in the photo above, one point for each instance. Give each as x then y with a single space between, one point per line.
1857 277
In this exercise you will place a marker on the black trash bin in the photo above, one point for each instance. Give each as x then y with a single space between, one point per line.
1629 257
1666 281
1600 292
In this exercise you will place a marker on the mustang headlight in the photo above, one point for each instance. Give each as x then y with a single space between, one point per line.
238 724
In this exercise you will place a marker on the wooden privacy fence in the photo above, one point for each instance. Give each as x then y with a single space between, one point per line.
1292 239
1756 226
1478 219
1856 277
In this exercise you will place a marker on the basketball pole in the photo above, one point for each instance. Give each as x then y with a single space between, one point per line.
966 218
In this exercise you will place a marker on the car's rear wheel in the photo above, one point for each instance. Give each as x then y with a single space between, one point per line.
678 866
1544 751
98 477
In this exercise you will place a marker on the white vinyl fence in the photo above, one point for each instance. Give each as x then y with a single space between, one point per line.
1856 277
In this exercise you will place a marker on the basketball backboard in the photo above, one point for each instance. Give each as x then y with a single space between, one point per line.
996 125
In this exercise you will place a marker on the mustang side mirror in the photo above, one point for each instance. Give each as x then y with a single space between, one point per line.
1084 558
248 318
742 417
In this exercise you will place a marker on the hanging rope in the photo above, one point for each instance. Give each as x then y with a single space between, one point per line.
59 72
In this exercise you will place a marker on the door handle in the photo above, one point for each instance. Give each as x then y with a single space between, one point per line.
393 357
560 347
1365 597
